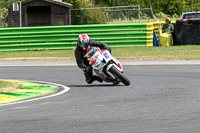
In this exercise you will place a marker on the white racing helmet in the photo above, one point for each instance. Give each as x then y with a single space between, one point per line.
83 41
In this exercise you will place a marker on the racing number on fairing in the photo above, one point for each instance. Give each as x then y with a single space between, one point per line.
106 55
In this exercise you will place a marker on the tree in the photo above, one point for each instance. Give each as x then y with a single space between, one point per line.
169 7
86 16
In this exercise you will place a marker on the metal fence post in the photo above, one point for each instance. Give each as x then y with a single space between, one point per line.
152 13
106 15
139 12
20 14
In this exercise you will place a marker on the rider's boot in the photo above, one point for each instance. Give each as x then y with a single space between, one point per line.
97 79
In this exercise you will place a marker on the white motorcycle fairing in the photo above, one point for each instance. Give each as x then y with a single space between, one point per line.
102 61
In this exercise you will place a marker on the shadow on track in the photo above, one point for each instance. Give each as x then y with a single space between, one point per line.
95 85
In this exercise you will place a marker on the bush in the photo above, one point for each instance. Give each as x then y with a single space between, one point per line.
86 16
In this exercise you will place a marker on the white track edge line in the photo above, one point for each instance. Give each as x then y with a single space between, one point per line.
66 89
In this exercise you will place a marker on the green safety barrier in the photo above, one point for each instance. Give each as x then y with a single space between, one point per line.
65 37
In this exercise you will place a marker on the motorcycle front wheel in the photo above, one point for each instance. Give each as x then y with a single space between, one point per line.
119 75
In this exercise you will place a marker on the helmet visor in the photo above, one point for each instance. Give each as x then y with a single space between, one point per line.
85 45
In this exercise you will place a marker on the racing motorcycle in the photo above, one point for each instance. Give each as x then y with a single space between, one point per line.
106 66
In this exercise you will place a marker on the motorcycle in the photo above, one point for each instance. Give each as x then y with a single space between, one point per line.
106 66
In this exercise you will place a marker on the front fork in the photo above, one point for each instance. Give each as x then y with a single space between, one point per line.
108 68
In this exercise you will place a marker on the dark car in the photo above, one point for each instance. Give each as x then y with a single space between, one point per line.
187 30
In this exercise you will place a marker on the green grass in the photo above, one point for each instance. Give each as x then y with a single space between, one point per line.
159 53
6 84
38 55
189 52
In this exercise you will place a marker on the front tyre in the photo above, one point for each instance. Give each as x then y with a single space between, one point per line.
119 75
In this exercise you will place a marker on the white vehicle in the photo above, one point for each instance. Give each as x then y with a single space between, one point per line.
106 66
188 16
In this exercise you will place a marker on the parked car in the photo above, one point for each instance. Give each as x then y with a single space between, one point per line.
187 16
187 30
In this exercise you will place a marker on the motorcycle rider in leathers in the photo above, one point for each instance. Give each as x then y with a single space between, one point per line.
83 44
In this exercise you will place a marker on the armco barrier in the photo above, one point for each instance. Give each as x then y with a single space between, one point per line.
65 37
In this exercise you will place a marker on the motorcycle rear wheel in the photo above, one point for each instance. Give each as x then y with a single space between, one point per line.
119 75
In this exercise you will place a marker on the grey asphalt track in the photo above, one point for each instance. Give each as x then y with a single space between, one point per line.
160 99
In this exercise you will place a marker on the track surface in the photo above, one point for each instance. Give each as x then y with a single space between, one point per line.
160 99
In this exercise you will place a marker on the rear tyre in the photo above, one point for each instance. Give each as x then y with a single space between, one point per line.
119 75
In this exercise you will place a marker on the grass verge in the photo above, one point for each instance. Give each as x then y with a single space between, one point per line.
7 86
189 52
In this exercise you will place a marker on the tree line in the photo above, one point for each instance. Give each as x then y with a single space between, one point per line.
169 7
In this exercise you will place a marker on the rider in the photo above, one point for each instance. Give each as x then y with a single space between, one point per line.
83 44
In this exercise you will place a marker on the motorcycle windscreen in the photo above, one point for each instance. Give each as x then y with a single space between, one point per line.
91 51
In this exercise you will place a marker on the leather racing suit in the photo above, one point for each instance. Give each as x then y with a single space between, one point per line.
84 64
